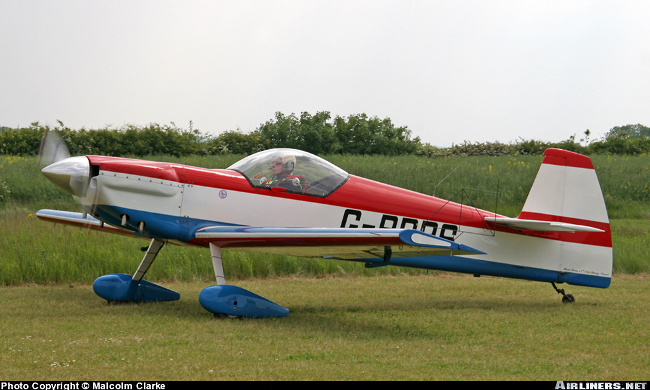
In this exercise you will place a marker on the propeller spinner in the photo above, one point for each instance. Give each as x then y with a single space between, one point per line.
71 174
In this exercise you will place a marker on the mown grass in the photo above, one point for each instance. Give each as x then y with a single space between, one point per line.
442 327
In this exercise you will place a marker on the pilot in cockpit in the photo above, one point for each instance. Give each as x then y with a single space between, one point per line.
282 168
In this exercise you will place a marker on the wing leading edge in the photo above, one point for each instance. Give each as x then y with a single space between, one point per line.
80 220
333 243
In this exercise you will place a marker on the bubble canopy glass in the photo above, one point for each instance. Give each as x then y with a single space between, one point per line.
321 176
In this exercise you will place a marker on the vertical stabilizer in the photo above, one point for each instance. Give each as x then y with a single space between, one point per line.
567 190
566 186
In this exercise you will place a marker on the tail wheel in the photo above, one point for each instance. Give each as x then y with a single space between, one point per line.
566 298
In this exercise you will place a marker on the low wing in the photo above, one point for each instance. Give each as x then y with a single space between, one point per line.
80 220
335 243
542 226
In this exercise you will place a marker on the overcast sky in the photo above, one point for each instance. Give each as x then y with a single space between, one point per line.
448 70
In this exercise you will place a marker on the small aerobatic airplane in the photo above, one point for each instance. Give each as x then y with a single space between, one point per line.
291 202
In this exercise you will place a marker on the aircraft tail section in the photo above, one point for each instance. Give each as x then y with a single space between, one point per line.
566 192
566 187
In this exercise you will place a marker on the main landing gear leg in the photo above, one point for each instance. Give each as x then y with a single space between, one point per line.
152 251
224 300
217 264
127 288
566 298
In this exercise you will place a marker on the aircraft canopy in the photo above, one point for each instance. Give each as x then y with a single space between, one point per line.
318 176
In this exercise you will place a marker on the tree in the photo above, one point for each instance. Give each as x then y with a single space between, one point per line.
279 132
237 142
362 135
314 133
629 132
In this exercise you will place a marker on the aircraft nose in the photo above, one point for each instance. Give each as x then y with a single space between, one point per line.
71 174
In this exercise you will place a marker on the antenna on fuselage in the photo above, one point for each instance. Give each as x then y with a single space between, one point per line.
445 178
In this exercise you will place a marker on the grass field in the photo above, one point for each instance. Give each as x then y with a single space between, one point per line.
442 327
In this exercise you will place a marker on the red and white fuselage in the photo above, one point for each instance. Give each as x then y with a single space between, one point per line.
562 234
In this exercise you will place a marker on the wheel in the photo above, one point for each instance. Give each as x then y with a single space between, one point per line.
568 298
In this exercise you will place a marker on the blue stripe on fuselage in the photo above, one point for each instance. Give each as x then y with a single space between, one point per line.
161 226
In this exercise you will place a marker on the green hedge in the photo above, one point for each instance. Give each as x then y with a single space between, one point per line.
319 134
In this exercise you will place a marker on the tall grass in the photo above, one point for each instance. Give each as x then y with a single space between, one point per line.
32 251
623 179
631 243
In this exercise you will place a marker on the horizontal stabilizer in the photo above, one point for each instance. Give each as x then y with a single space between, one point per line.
542 226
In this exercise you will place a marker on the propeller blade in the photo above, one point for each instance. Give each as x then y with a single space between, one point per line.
53 149
71 174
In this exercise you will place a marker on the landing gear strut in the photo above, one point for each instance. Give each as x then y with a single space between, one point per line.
229 301
127 288
566 298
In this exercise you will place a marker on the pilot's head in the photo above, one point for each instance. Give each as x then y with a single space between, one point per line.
283 164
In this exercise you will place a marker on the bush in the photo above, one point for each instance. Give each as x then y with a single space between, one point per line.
319 134
128 140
